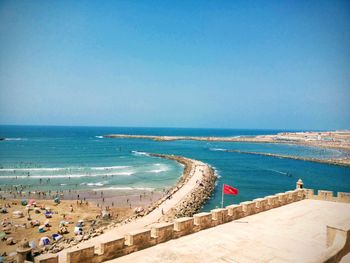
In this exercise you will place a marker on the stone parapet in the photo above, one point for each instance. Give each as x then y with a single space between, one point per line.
272 201
343 197
138 238
162 232
85 254
46 258
234 212
111 249
183 226
326 196
219 216
203 220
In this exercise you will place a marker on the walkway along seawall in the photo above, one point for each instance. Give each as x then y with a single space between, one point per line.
337 237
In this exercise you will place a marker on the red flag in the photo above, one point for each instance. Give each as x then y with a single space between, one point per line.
229 190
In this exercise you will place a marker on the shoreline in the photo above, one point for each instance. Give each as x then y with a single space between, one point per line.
156 207
162 210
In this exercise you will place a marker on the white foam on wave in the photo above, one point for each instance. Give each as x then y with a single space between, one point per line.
276 171
65 175
31 169
164 169
137 153
109 167
15 139
217 149
123 188
159 168
62 169
95 184
157 171
99 137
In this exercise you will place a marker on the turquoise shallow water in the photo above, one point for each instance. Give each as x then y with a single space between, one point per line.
78 158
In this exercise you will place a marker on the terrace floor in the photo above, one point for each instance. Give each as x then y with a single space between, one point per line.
291 233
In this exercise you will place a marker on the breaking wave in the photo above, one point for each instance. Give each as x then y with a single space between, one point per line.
123 188
15 139
62 169
65 175
137 153
217 149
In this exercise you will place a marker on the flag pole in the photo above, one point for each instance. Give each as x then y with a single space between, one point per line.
222 196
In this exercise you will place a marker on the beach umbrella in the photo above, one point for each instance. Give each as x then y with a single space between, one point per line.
32 202
17 214
24 202
57 200
48 214
56 236
35 223
63 223
32 244
44 241
78 230
47 223
41 229
2 234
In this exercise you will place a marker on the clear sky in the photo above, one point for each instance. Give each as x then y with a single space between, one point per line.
220 64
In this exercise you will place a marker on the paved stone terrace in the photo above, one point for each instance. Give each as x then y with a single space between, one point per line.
291 233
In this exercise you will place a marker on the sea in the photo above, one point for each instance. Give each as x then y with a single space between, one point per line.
59 158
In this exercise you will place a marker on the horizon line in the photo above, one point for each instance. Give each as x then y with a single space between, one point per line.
169 127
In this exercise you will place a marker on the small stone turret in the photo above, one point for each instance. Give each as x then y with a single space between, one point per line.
24 252
300 184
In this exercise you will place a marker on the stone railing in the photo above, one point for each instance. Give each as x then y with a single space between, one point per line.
162 232
338 243
327 196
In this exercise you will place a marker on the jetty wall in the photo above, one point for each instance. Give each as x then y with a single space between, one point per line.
162 232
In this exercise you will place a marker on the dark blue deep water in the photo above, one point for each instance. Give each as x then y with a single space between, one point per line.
78 158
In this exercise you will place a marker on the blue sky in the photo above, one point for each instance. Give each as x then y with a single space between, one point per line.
220 64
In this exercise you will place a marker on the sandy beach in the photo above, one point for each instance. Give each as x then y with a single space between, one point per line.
127 210
68 211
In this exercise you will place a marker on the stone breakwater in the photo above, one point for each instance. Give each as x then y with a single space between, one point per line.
195 200
341 162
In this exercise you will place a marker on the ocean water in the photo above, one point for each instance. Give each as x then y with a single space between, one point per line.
64 158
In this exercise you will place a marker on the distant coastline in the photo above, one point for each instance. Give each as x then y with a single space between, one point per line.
339 140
